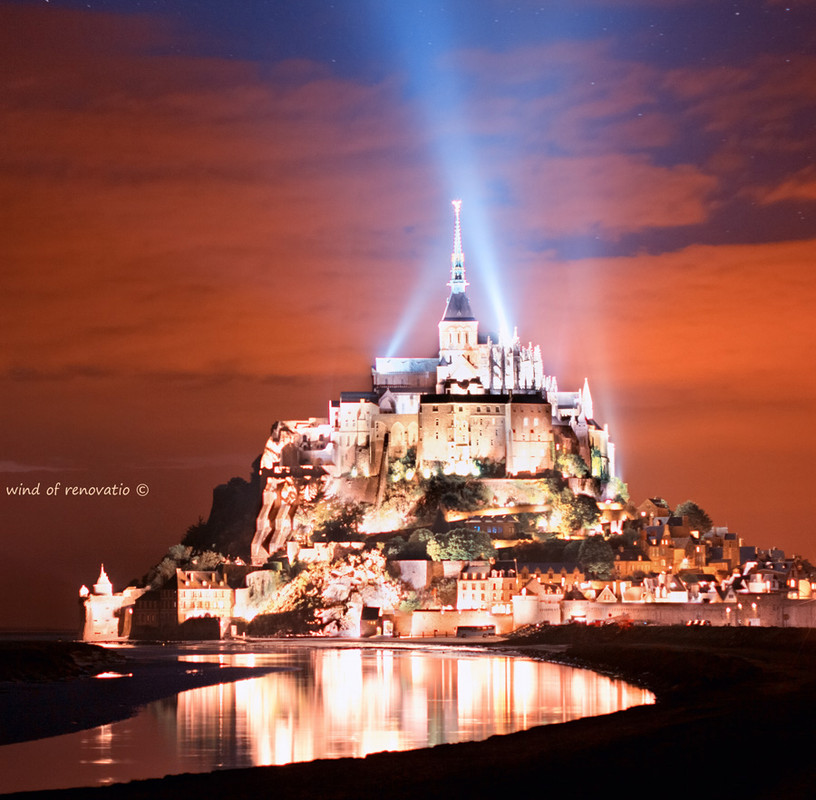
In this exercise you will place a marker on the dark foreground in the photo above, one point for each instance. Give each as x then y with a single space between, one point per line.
50 688
735 718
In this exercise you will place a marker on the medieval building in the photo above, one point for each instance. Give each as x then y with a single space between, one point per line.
476 401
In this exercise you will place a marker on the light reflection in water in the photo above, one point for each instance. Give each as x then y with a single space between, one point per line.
324 703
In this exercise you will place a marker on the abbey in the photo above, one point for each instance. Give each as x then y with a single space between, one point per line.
477 402
479 407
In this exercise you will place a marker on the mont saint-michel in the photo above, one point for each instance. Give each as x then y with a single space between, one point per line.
463 493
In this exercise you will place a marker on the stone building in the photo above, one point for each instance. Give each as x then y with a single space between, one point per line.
477 400
479 406
106 615
192 595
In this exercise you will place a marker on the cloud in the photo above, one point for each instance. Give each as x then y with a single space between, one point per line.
726 320
191 213
613 194
16 466
800 186
762 105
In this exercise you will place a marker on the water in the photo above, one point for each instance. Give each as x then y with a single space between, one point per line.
324 702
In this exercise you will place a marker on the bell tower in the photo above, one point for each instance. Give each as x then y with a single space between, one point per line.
458 329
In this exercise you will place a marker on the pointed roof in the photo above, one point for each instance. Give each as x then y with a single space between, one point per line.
458 307
103 584
462 369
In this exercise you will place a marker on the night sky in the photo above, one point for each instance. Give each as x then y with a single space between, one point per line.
214 215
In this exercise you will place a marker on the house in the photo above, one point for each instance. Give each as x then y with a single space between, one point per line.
489 589
564 573
189 595
480 405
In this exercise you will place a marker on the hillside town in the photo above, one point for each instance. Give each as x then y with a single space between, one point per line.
463 494
670 575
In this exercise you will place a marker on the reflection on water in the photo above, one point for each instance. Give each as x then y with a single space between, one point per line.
324 702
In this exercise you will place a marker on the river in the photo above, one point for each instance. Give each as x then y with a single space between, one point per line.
322 701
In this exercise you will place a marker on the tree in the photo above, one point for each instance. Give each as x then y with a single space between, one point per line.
553 482
461 544
178 557
340 524
451 491
490 468
697 517
584 512
401 468
209 559
549 550
572 465
571 551
596 557
573 512
415 547
620 490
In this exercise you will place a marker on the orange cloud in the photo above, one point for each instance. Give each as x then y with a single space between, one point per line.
614 193
801 186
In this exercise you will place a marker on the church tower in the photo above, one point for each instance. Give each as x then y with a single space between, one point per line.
458 329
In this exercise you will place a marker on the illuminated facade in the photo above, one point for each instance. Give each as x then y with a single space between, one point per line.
106 615
478 405
478 400
191 595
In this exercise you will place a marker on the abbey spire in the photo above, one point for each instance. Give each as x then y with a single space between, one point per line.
458 307
457 281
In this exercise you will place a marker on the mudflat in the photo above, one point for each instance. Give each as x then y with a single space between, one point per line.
734 718
52 688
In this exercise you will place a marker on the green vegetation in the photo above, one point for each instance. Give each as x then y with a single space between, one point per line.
415 547
489 468
459 544
573 512
180 556
620 490
337 522
572 465
697 517
596 557
401 469
551 549
600 466
451 492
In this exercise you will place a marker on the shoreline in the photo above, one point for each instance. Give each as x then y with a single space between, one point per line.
62 696
741 701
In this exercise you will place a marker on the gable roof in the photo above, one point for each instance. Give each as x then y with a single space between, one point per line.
606 595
